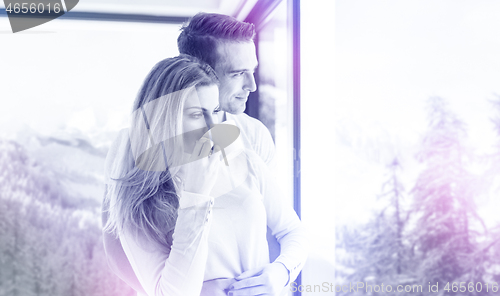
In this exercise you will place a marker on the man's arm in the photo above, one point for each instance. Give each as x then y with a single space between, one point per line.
287 228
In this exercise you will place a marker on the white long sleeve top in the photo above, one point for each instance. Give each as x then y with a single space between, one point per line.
221 235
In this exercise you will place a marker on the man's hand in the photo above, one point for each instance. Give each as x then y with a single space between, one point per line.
268 280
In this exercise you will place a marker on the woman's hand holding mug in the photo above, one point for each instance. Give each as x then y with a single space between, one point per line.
200 173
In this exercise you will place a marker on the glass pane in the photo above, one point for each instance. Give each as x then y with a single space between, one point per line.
67 88
318 184
417 125
275 97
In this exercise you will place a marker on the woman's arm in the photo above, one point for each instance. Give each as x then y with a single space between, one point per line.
180 270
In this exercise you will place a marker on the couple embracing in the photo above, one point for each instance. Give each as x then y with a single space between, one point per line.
190 190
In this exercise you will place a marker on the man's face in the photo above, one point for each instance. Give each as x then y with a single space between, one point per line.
237 63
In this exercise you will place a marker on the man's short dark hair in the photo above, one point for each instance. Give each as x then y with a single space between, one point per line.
203 32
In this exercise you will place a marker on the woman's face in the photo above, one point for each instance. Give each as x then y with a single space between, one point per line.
199 114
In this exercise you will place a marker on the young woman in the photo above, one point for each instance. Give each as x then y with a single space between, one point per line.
191 206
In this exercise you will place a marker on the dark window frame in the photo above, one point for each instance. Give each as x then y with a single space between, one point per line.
259 15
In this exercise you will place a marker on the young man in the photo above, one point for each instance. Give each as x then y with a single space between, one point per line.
226 44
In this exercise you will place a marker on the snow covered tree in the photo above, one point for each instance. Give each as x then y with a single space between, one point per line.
46 246
377 252
446 222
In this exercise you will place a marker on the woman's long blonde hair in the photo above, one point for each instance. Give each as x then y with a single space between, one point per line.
141 192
